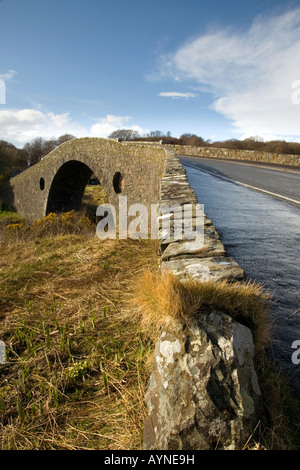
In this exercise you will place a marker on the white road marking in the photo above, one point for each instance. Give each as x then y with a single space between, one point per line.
230 180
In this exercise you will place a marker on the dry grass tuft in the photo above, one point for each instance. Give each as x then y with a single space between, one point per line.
161 295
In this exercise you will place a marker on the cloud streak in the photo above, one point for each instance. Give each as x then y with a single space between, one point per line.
249 73
4 77
8 75
176 94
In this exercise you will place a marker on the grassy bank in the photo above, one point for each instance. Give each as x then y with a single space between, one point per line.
76 369
79 317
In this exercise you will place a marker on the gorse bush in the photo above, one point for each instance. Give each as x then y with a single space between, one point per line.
67 223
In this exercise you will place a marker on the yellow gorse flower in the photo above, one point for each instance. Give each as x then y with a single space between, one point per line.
53 224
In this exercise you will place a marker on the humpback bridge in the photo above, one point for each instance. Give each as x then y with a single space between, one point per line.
57 182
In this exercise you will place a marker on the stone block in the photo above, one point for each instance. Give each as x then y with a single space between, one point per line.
205 269
203 393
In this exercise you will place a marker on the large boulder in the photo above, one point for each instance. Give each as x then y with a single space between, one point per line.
203 393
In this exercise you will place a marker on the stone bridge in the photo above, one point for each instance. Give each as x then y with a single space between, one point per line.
57 182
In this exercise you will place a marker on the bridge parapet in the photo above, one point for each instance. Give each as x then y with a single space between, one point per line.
203 392
236 154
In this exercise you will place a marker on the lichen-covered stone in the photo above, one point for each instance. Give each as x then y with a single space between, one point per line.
194 248
205 269
203 392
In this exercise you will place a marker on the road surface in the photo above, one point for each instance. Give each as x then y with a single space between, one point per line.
261 230
278 181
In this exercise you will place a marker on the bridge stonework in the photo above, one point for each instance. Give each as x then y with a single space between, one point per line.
235 154
57 182
203 392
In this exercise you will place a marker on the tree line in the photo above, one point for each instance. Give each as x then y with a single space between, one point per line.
251 143
13 159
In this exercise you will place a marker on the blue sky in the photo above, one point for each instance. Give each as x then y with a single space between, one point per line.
218 69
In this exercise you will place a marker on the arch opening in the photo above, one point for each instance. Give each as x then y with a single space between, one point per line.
68 189
118 182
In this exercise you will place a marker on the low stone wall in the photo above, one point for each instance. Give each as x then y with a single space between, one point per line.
203 392
232 154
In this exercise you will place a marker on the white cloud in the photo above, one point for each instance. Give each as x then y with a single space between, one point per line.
105 126
175 94
22 126
249 73
8 75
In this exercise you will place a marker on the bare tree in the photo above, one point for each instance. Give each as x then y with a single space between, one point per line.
157 134
191 139
124 134
64 138
39 147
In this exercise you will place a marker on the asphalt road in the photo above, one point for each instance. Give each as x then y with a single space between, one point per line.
277 181
262 233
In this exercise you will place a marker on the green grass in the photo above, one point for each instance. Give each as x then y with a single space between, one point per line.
10 215
93 196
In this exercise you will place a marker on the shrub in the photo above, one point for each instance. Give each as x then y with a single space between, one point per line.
67 223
